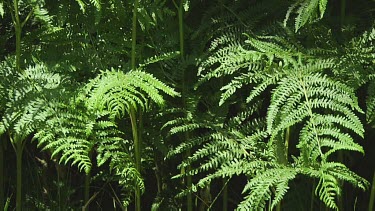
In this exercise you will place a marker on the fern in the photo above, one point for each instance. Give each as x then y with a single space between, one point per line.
29 98
118 92
260 188
72 132
308 11
303 95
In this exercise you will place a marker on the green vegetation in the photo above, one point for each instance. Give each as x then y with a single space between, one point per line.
187 105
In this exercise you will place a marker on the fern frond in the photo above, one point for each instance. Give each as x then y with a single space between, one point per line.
328 189
157 58
260 188
30 98
308 11
118 92
329 174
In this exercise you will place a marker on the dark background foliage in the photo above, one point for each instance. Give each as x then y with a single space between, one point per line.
198 112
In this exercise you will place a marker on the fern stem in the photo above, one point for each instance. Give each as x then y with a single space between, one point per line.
225 195
133 115
371 203
311 116
181 29
19 149
134 35
342 13
189 197
133 119
286 143
312 196
2 175
340 202
18 29
189 182
284 158
87 188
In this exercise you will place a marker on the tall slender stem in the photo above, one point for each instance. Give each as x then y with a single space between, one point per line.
312 196
18 29
133 119
18 143
371 203
87 189
133 114
19 150
342 13
225 194
184 92
2 200
134 35
181 29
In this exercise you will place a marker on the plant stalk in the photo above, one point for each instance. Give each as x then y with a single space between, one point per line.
225 195
180 8
284 159
342 13
134 36
19 151
18 30
312 196
133 114
87 189
137 153
2 200
371 203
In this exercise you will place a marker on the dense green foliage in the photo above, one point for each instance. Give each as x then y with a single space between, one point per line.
187 105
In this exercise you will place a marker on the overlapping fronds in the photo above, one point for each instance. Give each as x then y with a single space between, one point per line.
223 146
74 132
29 98
118 92
354 60
304 96
271 183
308 11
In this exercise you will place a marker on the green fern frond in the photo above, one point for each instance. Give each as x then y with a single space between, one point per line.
261 188
308 11
66 134
118 92
29 99
329 175
157 58
328 189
